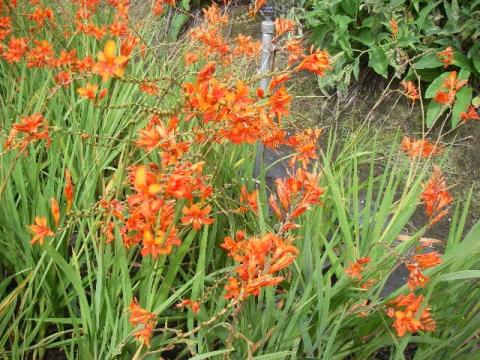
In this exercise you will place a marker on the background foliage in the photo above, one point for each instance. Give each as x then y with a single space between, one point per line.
69 298
360 34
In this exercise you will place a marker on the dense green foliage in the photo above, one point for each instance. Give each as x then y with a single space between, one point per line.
359 32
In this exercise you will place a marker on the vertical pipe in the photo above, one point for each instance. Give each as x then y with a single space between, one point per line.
266 61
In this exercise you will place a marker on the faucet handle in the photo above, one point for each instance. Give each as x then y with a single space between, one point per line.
268 12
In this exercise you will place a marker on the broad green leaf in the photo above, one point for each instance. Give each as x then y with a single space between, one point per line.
422 16
365 36
435 86
378 60
428 61
464 96
177 24
434 110
350 7
461 61
342 22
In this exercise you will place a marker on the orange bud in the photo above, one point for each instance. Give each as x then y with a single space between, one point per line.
55 211
68 189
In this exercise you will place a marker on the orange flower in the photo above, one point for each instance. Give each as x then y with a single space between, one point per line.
206 72
246 46
191 58
256 6
90 29
34 127
90 91
283 25
30 124
158 7
68 191
85 65
295 49
66 58
428 260
405 310
283 256
410 90
232 289
40 15
436 197
196 216
251 199
317 62
55 208
118 29
393 28
452 85
259 259
63 78
41 55
108 64
446 56
355 269
17 47
192 304
234 247
144 318
415 277
160 244
277 80
40 230
213 40
442 97
149 87
471 114
280 102
127 45
419 148
213 16
144 182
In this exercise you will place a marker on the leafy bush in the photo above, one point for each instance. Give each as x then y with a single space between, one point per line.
403 38
131 225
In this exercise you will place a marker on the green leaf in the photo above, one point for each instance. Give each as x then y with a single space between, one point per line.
177 24
272 356
356 67
474 56
464 96
463 74
350 7
461 275
211 354
434 110
476 63
435 86
422 16
476 101
186 5
378 60
364 36
461 61
428 61
342 22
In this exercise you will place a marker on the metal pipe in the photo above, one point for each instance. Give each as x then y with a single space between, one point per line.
266 63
